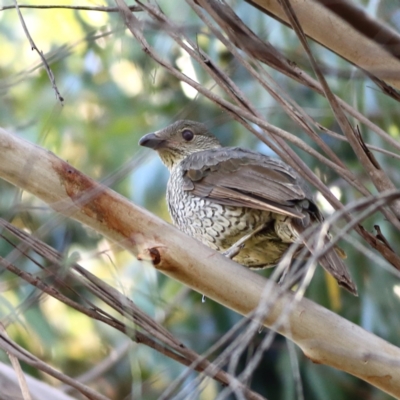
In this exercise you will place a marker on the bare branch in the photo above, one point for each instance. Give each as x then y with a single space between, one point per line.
39 389
263 51
41 55
376 173
13 348
317 21
66 7
18 370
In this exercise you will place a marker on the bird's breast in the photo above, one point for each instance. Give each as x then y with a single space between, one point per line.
217 226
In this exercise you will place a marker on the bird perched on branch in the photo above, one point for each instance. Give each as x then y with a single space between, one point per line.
239 201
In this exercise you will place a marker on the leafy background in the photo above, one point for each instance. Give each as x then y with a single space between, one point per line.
113 95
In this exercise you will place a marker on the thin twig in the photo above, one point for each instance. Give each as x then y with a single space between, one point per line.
41 55
378 176
79 8
18 370
22 354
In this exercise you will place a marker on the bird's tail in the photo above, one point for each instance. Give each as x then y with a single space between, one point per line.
336 267
331 261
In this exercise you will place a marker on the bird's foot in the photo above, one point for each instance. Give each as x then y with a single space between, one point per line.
234 250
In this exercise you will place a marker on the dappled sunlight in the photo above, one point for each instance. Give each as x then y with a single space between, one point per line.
184 63
127 76
324 204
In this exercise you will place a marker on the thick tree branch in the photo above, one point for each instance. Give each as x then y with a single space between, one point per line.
373 53
323 336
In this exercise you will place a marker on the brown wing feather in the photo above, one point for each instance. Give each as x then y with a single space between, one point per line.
231 197
239 177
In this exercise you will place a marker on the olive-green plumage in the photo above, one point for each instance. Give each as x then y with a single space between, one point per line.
220 194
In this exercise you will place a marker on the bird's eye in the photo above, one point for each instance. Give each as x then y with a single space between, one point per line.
187 134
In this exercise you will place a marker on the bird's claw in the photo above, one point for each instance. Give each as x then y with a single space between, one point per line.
233 251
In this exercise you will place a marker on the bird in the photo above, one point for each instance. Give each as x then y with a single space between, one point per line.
238 201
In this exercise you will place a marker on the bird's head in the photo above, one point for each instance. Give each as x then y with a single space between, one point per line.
178 140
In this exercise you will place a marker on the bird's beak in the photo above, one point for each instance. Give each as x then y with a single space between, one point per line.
152 141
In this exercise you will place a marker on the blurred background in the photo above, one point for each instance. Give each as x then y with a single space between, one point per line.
114 94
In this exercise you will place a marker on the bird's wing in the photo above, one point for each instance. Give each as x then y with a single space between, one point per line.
239 177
